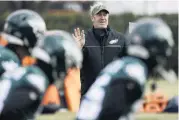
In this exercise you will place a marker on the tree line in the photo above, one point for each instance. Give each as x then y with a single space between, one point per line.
68 20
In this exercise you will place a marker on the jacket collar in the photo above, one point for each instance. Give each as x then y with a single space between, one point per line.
101 32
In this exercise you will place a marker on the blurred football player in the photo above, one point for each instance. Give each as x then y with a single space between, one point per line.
69 98
8 60
118 89
22 90
21 31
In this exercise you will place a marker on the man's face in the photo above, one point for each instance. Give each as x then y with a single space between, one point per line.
100 20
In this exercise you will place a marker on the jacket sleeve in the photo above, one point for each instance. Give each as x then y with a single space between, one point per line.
85 54
84 48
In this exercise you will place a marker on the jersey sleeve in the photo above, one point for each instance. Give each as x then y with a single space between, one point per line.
92 101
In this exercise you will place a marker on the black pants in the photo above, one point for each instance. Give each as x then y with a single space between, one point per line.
20 106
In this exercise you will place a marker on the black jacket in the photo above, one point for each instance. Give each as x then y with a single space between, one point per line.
101 47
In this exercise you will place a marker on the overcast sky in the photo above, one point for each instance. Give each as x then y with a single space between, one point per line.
142 6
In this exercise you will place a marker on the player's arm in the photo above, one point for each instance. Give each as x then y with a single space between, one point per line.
91 104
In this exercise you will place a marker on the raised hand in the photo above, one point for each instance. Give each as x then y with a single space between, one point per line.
79 36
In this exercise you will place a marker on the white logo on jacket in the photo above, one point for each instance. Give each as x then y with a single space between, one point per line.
113 41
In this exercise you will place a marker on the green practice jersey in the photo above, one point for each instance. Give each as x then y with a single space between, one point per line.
32 81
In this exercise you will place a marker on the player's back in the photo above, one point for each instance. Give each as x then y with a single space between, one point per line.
21 93
8 60
108 96
129 68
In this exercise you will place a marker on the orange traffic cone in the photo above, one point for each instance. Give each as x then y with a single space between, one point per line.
160 98
155 102
163 106
152 108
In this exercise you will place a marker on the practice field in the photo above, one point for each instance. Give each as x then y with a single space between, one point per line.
163 86
70 116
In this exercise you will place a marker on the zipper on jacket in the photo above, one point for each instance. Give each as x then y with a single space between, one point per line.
102 53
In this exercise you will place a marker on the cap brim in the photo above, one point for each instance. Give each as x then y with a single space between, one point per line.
102 10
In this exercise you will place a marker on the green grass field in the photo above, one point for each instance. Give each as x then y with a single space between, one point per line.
163 86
